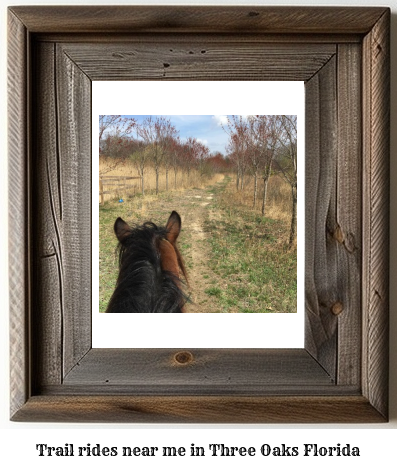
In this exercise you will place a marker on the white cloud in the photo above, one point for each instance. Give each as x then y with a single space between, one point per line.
220 119
203 141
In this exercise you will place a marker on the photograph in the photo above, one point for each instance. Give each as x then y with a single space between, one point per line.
203 209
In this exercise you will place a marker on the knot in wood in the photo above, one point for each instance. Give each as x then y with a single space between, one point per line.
337 308
338 235
183 358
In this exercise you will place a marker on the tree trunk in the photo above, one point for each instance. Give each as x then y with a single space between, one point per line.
265 182
292 235
255 186
157 181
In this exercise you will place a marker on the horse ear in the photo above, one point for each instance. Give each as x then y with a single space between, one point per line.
173 227
121 229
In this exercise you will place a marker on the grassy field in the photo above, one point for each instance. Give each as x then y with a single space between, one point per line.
137 209
250 253
237 260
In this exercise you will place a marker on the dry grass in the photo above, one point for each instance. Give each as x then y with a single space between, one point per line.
278 201
127 169
237 260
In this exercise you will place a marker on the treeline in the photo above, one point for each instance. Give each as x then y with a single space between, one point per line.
259 145
262 145
155 143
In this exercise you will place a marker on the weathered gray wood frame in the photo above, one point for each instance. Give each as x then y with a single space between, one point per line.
342 54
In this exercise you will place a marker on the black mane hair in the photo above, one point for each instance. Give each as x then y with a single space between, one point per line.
142 285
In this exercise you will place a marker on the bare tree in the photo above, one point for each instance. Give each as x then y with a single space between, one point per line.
271 135
114 138
178 157
237 129
252 144
257 149
140 158
170 144
115 125
175 158
155 133
287 163
108 121
202 153
190 153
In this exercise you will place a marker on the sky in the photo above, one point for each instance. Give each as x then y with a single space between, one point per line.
205 128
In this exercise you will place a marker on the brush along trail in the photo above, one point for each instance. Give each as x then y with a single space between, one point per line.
236 260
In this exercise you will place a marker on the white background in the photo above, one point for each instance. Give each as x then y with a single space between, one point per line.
281 330
17 445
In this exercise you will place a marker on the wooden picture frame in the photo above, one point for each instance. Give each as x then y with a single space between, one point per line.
342 54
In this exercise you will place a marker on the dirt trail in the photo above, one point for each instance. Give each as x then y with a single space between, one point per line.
194 207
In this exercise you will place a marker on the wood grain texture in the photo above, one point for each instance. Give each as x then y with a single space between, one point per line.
73 90
333 215
229 370
18 212
376 92
341 376
346 227
63 214
207 60
199 409
47 325
242 38
321 262
196 19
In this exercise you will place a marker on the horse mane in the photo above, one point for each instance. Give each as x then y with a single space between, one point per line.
142 285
